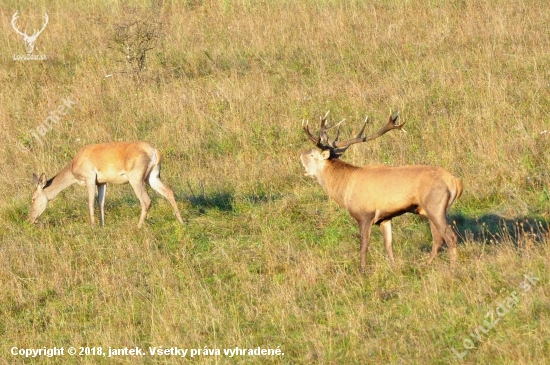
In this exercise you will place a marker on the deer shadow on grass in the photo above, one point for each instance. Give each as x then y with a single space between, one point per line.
222 201
493 228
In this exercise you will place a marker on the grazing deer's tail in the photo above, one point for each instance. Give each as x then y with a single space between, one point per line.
155 157
154 163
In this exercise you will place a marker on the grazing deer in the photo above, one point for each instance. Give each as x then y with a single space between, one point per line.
376 194
29 40
136 163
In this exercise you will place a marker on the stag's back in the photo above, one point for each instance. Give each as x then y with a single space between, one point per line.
391 190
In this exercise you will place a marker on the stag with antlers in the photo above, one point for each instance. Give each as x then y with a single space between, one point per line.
376 194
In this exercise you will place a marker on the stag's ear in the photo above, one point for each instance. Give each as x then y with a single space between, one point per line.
325 154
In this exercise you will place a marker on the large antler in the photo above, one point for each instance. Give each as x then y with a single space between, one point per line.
318 141
336 147
359 138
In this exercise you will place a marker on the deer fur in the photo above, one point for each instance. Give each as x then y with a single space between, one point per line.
136 163
376 194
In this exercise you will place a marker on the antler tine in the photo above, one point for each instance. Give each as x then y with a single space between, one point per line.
324 119
337 133
316 140
322 131
337 125
305 128
359 138
360 134
388 127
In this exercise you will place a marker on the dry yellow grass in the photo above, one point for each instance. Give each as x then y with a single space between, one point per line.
266 259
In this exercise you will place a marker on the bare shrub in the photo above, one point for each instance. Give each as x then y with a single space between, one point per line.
133 37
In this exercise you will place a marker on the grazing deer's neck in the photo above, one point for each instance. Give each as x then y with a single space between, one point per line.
335 177
60 182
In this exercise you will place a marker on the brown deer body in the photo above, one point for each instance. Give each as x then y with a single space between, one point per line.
376 194
136 163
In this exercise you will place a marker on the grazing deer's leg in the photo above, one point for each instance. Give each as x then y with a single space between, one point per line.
101 188
90 186
385 226
365 225
159 187
141 192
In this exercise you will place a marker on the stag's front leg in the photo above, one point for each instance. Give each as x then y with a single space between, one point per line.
385 227
365 225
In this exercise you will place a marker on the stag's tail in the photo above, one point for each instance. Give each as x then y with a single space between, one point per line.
459 187
456 192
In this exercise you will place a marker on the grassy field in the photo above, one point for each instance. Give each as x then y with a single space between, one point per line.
266 260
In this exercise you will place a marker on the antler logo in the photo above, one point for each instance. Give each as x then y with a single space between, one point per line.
29 40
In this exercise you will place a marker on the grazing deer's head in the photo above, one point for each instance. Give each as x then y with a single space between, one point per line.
29 40
39 200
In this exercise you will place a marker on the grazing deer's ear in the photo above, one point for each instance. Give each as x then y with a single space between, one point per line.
325 154
40 182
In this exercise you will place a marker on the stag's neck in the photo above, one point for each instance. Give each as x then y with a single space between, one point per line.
60 182
335 178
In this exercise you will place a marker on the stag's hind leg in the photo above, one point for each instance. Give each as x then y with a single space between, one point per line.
437 242
452 242
442 231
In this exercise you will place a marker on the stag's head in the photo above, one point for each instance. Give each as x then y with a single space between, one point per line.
29 40
315 159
